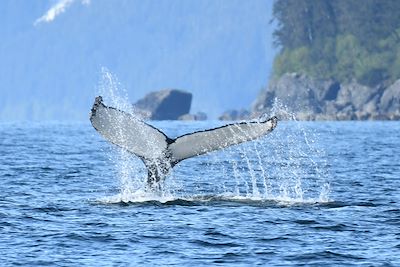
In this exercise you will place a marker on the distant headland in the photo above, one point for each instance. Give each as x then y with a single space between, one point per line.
308 98
337 60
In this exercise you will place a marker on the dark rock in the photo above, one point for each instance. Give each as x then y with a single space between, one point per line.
233 115
167 104
331 92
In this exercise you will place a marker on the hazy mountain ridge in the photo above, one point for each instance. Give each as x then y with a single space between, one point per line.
219 51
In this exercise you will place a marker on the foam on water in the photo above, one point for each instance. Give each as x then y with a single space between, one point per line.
140 196
287 166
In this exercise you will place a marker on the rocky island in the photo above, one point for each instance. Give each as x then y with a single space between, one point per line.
168 104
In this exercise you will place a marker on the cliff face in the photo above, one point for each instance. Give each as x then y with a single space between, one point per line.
316 99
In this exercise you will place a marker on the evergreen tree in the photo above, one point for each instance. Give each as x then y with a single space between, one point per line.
338 39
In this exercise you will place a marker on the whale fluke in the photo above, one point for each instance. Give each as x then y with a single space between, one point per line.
201 142
161 153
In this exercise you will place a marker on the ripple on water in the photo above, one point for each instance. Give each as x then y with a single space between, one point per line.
62 203
323 255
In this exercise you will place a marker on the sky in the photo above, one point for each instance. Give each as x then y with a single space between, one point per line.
52 53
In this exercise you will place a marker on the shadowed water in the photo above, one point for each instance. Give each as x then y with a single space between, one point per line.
309 194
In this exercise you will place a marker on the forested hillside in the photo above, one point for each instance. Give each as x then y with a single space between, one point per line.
339 39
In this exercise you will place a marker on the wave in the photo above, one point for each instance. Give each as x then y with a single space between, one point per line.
155 198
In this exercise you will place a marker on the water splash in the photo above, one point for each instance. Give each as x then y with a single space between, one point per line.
113 93
129 169
287 166
295 162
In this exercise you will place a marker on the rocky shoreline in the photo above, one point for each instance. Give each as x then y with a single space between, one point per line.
316 99
303 97
167 104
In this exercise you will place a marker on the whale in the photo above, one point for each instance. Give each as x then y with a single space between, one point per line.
161 153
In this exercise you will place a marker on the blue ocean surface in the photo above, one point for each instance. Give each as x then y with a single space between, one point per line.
308 194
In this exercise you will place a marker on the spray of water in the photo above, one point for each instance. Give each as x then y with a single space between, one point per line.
287 165
300 169
131 173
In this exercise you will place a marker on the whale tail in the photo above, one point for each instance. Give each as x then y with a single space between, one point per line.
160 153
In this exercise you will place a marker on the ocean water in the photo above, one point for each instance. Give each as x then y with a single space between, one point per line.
308 194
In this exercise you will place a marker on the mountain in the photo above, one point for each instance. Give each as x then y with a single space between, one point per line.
50 66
